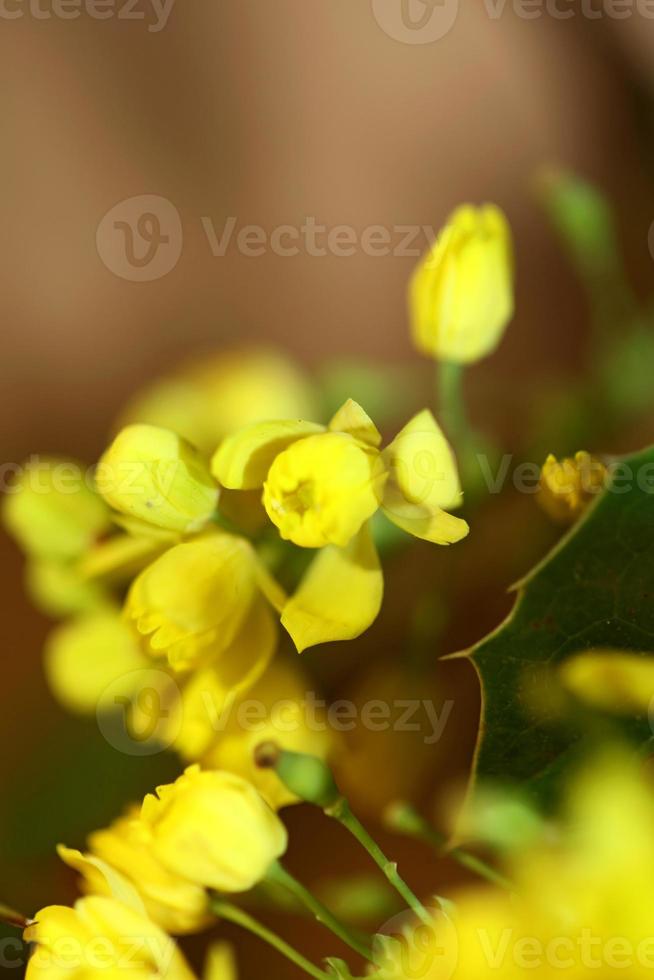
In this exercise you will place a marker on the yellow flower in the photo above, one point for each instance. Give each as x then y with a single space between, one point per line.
320 487
214 829
155 475
611 680
579 904
278 708
52 512
566 488
207 400
86 655
60 589
461 294
101 939
176 905
198 599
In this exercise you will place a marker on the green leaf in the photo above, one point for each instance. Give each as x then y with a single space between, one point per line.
595 590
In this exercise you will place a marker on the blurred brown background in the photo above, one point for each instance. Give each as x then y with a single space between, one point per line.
270 113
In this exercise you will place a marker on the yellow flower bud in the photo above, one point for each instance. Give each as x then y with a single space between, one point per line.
322 489
101 939
52 512
214 829
461 294
155 475
191 602
176 905
566 488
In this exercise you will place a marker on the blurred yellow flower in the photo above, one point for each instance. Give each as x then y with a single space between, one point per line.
60 589
280 708
101 938
567 487
214 829
222 392
52 511
579 905
154 475
611 680
176 905
461 294
89 653
198 599
320 487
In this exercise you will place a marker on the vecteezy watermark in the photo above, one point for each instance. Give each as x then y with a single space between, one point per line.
140 239
109 951
405 947
416 21
314 714
427 21
154 13
149 718
140 712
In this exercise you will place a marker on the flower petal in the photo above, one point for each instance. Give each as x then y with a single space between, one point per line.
427 522
422 465
340 595
243 459
352 419
100 878
220 963
211 691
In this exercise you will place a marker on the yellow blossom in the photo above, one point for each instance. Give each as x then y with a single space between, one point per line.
154 475
611 680
195 600
461 294
87 654
322 489
60 589
322 484
101 938
52 511
579 902
567 487
176 905
214 829
212 397
277 708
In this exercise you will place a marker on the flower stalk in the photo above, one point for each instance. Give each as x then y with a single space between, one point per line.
231 913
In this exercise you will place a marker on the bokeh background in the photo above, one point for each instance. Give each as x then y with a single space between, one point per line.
270 113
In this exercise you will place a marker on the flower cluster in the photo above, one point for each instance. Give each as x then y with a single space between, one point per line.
151 874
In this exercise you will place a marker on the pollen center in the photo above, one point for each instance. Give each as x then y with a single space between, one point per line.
300 500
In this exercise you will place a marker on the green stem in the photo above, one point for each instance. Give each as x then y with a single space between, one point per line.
281 876
405 820
231 913
341 811
452 404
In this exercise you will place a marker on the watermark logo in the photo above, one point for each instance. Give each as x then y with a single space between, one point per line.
140 239
419 950
416 21
153 13
148 719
